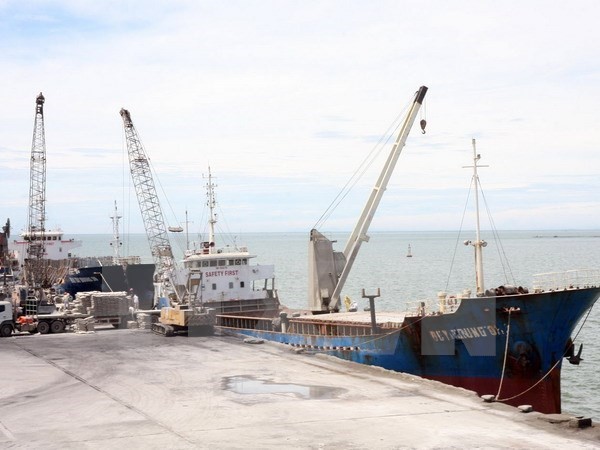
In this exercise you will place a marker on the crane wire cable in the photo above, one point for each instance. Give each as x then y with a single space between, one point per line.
503 258
462 220
363 166
126 196
504 262
358 174
156 179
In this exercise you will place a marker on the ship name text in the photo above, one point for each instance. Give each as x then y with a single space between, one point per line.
465 333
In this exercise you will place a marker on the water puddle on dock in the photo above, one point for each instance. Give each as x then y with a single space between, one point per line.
250 385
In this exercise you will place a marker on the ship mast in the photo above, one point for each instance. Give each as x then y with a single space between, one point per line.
116 242
479 243
211 203
187 231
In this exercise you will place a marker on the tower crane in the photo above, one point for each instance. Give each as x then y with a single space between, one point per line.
36 267
152 215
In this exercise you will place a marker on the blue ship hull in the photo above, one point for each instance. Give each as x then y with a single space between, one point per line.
510 346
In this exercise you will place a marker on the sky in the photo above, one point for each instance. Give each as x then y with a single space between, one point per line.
284 99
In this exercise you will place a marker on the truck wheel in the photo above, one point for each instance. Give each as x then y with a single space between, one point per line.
5 330
43 327
57 326
122 323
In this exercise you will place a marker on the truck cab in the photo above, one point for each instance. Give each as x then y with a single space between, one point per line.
6 318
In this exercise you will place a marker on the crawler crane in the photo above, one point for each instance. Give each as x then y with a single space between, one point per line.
183 316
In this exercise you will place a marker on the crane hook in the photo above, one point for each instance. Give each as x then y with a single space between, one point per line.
423 125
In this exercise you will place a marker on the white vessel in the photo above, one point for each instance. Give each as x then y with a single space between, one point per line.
223 277
56 247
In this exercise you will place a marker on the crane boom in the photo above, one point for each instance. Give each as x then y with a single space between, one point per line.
36 264
148 200
329 269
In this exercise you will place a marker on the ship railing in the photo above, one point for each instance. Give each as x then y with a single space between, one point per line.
417 307
448 304
131 260
294 326
571 279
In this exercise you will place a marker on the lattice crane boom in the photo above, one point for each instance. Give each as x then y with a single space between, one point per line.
145 189
36 266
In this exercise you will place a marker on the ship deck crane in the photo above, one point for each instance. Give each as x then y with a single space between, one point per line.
328 269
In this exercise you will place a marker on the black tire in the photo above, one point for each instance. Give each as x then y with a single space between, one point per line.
122 323
57 326
6 330
43 327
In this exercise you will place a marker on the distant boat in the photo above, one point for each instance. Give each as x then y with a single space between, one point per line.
409 254
175 229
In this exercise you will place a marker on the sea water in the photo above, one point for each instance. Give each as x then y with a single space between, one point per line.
440 262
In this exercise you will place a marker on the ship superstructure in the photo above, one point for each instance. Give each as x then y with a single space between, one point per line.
223 277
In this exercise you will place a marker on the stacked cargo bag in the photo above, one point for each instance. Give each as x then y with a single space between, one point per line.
84 325
145 320
108 304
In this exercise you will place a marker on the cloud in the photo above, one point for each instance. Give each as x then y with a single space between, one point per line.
285 99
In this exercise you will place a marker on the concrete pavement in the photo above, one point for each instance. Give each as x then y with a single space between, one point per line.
133 389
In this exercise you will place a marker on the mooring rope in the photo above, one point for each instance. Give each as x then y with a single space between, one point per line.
505 353
551 368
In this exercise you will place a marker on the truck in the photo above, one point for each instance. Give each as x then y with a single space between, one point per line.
44 318
56 322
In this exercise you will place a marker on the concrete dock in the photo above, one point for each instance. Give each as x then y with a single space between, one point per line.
133 389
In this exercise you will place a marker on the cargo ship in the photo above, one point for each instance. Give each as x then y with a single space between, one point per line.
113 273
104 275
507 343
